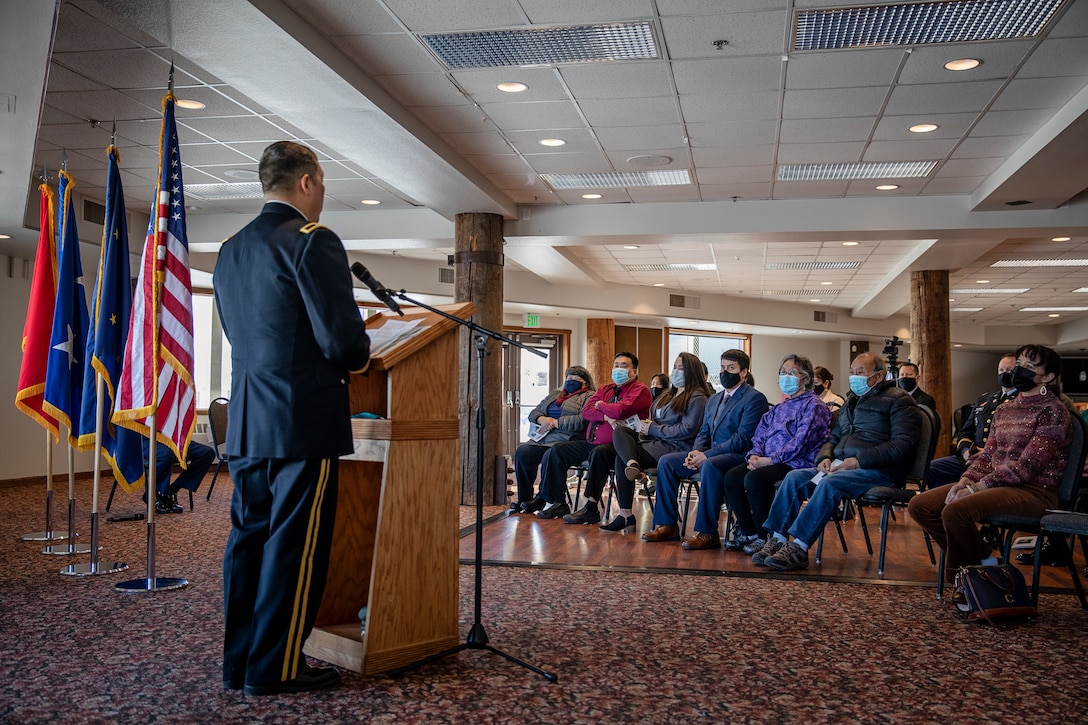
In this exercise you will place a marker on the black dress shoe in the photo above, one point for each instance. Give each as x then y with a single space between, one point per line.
166 503
553 511
532 505
309 679
1052 555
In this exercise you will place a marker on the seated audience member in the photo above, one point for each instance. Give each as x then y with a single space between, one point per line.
729 422
560 419
975 429
908 380
822 388
658 385
788 437
674 419
200 458
1017 471
618 400
872 444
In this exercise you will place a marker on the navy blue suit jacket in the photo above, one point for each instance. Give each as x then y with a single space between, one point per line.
729 423
283 289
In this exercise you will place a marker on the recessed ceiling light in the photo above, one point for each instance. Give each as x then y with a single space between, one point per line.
951 299
924 128
1081 289
963 64
1040 263
591 196
827 283
1053 314
1060 239
512 87
242 174
1054 309
192 207
982 281
850 244
957 345
630 246
968 291
552 142
370 202
965 309
191 105
887 187
813 300
659 284
5 236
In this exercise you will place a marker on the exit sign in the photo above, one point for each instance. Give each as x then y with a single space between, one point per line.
532 320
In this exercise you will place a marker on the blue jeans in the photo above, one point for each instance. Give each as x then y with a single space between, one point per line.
805 525
945 470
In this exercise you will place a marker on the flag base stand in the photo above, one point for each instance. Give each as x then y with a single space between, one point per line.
44 536
69 549
135 586
91 569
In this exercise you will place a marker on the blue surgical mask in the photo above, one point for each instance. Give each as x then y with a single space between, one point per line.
788 384
676 377
619 376
572 386
859 384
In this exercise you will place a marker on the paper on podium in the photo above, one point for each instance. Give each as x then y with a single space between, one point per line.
386 337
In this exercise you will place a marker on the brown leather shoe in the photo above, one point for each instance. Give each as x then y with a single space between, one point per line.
663 533
702 541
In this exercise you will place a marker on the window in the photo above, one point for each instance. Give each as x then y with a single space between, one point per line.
708 347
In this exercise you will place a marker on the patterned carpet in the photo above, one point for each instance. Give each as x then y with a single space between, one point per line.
646 648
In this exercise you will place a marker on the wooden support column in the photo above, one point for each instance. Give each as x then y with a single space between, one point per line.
478 262
600 349
931 343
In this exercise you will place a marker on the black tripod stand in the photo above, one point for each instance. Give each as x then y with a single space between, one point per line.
477 635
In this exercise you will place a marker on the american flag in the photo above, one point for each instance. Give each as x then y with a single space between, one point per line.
157 374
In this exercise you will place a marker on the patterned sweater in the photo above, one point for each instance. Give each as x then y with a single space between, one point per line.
793 431
1028 444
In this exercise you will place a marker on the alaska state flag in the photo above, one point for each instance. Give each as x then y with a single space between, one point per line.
157 376
67 343
111 309
30 396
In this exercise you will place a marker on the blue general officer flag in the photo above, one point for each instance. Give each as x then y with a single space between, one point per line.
67 342
111 309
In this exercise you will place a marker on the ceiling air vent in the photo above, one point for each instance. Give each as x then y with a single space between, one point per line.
824 316
445 275
94 212
685 301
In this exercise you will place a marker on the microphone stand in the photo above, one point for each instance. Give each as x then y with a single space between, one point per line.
477 635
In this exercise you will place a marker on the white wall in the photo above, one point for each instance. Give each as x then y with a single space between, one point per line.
768 351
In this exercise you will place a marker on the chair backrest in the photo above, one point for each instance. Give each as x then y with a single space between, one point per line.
927 445
1069 484
217 419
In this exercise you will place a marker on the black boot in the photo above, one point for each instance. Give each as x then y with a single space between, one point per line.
167 503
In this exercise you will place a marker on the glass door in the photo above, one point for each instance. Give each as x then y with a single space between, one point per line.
527 380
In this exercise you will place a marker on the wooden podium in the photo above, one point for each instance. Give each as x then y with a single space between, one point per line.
394 545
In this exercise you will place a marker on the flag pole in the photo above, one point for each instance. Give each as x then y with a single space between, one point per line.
48 534
72 547
94 567
151 583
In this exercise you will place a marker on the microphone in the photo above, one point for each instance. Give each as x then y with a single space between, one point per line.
363 274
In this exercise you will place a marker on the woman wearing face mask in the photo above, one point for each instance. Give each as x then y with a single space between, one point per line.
789 436
822 388
1017 471
659 384
674 420
559 417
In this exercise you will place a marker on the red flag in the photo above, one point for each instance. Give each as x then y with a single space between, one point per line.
157 372
39 320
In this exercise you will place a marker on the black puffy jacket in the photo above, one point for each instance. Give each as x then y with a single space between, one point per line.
880 429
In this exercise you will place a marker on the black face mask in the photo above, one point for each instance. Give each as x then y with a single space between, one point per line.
654 392
729 380
1005 380
1023 379
908 384
818 389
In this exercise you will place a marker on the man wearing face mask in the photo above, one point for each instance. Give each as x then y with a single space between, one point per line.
618 400
729 422
908 380
976 428
871 444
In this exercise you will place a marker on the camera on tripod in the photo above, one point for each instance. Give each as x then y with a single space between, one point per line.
891 352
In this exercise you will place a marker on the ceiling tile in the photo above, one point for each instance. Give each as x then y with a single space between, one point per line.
730 108
752 33
910 150
544 84
620 111
381 55
842 129
423 16
1038 93
739 75
731 134
635 79
646 138
942 98
833 103
819 153
1011 123
543 115
999 60
344 17
843 68
897 128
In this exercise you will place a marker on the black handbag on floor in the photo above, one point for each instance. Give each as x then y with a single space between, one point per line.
994 592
